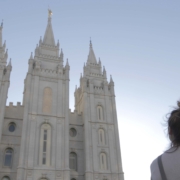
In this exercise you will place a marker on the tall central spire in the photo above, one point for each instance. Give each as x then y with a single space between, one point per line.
91 56
1 34
49 36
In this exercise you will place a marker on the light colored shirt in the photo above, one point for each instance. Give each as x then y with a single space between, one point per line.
171 165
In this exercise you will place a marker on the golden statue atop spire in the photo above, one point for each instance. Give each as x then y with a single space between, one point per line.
49 13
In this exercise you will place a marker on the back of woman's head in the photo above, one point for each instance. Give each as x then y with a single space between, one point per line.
174 126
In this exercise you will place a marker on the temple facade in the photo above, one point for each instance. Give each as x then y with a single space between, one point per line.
40 138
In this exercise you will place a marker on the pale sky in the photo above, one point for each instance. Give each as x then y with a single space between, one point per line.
138 42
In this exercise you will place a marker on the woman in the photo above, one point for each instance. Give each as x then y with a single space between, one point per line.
167 166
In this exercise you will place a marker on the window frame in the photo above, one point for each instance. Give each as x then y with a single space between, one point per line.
75 159
12 155
101 135
45 127
105 168
100 115
12 123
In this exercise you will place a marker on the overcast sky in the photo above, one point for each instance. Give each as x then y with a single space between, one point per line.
138 42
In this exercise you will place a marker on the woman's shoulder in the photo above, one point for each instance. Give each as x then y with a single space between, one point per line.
155 170
170 160
154 163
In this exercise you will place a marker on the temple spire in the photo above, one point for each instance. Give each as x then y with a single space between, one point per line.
91 56
1 27
3 50
49 36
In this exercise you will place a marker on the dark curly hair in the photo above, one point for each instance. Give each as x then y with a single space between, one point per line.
173 123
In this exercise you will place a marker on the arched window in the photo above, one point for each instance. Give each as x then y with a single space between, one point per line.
8 157
73 161
100 113
47 100
101 137
45 145
5 178
103 161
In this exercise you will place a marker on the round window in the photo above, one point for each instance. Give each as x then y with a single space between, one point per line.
12 127
72 132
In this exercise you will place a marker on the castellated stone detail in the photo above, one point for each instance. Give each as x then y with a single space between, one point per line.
41 139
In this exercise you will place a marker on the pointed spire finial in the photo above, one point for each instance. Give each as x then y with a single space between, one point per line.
2 23
67 63
90 44
49 36
9 64
31 56
58 43
40 40
99 61
61 54
111 80
49 13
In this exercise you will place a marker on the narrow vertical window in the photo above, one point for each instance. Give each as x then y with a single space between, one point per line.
103 161
73 161
101 136
47 100
45 145
8 157
100 113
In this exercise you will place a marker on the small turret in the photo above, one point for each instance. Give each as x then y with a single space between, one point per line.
104 72
5 56
111 85
67 64
40 41
99 62
7 71
67 68
9 64
111 81
4 45
31 56
58 43
61 55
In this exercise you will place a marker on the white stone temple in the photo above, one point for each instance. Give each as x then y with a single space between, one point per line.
41 139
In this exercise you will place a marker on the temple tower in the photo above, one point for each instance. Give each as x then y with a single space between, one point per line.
5 71
95 99
44 151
